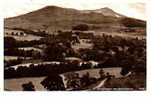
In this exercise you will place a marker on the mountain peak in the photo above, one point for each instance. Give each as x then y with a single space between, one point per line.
47 7
107 12
50 7
106 8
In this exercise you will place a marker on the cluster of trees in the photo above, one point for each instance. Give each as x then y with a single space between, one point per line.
46 69
21 52
130 52
89 54
11 42
53 82
13 62
43 69
60 46
57 52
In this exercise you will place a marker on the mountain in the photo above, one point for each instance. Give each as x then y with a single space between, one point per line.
54 18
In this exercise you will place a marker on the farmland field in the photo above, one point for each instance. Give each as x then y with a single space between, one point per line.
16 84
28 37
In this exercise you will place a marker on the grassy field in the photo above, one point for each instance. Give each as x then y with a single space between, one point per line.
7 58
28 37
16 84
30 48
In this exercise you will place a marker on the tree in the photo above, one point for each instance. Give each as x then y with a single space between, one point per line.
9 42
53 83
85 80
73 80
54 52
28 87
102 75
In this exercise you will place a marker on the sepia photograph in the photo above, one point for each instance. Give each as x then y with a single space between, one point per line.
74 46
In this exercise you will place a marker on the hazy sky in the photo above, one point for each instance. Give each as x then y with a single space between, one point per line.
133 9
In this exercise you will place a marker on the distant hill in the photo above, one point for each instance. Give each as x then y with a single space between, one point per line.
53 18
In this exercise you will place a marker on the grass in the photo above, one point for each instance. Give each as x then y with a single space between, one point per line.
135 82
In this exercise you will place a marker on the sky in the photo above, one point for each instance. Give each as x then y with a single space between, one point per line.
131 8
